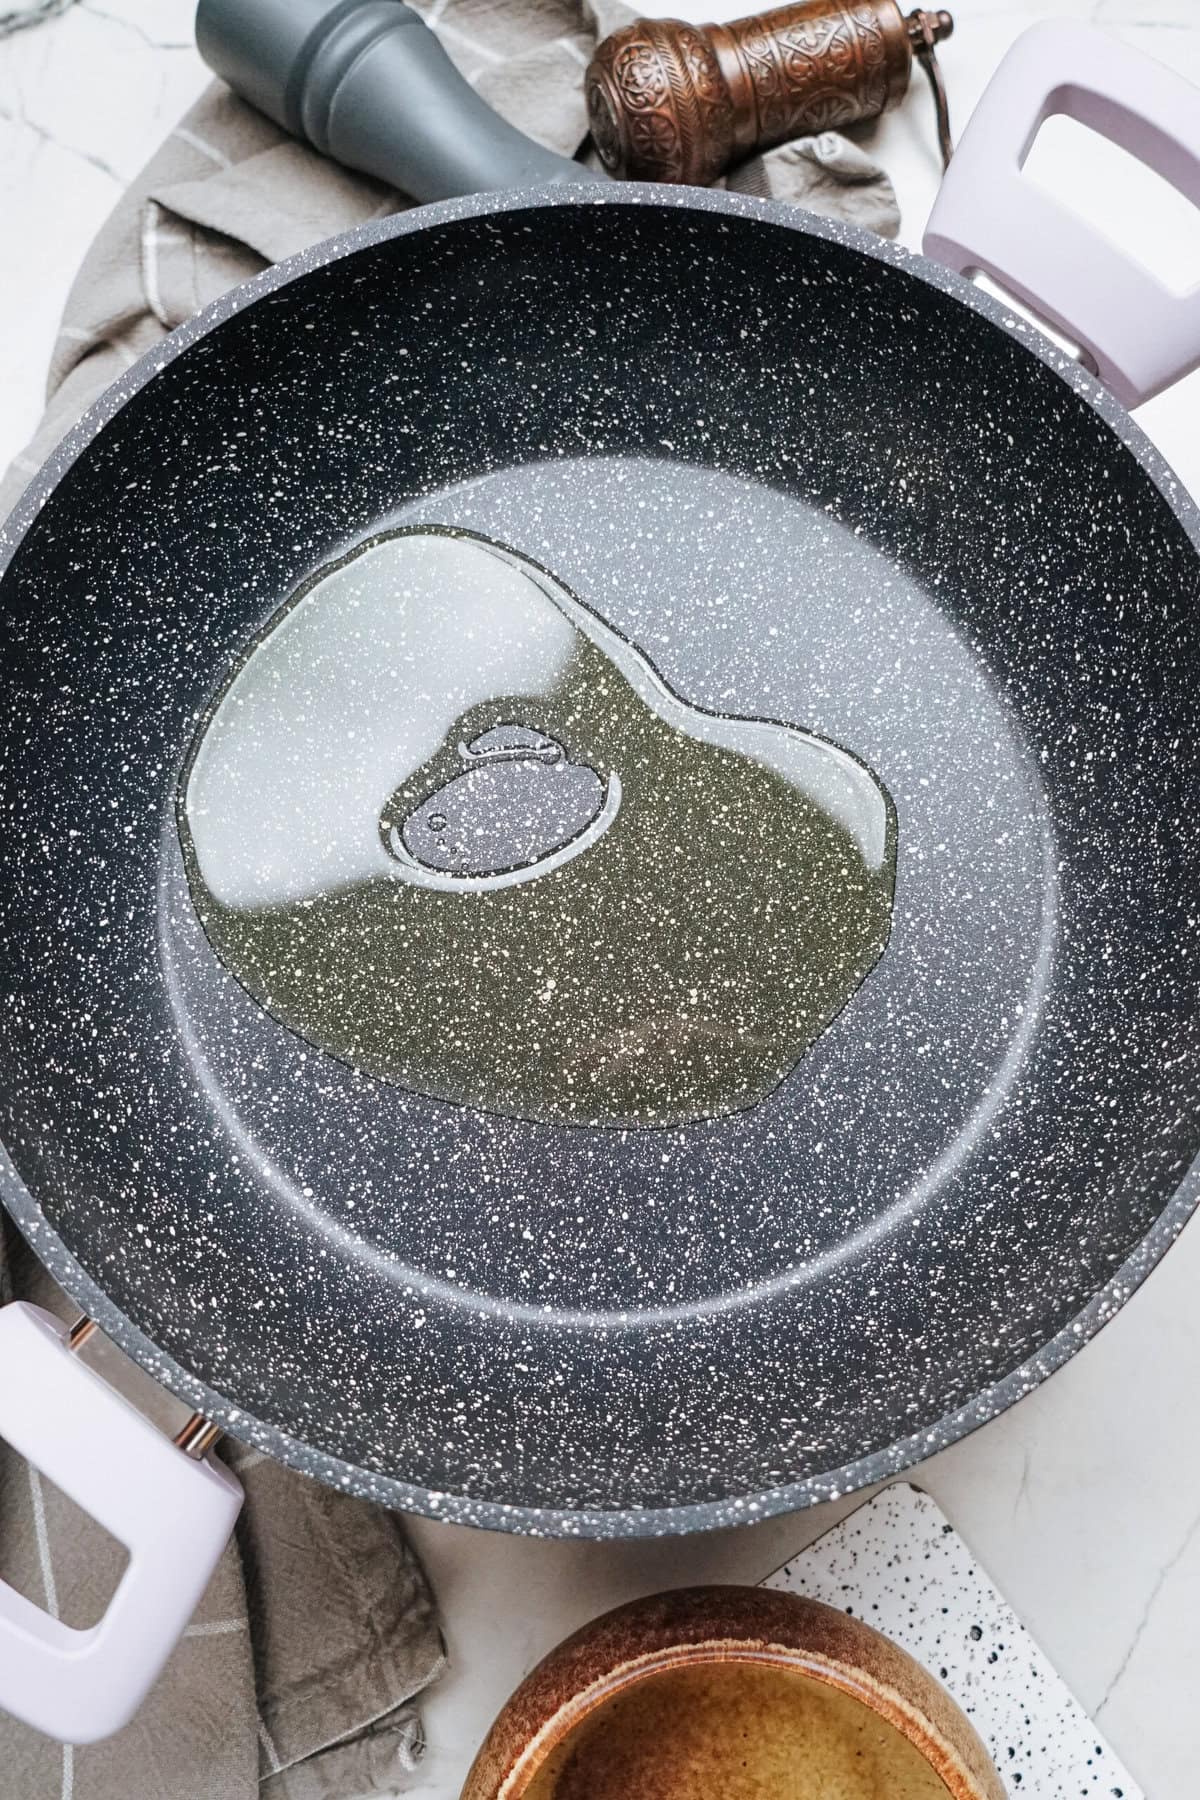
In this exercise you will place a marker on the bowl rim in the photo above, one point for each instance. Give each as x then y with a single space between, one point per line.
715 1625
876 1697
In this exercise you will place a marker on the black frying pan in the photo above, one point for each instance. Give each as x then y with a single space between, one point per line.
696 1260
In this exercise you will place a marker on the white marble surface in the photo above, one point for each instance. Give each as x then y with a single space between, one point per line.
1083 1503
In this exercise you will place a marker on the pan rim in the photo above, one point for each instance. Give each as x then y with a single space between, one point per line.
627 1521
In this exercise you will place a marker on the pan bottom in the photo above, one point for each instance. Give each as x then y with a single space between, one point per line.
749 603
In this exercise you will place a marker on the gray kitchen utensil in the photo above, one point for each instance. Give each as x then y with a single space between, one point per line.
367 83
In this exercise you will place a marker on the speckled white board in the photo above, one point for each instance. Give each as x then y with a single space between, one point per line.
899 1564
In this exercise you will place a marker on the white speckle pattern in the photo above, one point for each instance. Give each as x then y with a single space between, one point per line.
900 1565
705 415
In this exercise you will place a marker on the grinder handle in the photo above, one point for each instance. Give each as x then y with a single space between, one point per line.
172 1513
1140 336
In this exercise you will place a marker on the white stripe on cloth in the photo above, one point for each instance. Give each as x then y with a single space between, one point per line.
150 286
216 1628
477 49
272 1753
78 335
43 1541
570 42
42 1535
203 146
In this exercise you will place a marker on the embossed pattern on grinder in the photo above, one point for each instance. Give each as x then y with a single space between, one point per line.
669 101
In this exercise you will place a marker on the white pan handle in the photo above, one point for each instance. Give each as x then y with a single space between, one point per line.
172 1513
1140 336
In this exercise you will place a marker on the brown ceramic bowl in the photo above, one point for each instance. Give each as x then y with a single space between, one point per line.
715 1626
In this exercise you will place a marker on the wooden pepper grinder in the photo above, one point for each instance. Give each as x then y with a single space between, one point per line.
675 102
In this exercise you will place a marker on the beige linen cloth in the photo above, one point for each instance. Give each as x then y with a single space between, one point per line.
299 1674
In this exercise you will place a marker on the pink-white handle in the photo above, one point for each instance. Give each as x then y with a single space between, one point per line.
1140 336
172 1513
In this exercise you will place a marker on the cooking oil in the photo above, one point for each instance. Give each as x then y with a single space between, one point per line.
449 826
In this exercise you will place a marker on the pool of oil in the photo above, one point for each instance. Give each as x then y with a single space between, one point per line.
451 828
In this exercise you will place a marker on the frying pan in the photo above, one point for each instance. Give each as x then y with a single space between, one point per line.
766 474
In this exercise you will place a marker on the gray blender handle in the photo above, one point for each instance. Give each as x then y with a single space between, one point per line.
367 83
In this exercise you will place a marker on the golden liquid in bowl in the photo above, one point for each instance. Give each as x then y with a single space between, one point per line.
734 1731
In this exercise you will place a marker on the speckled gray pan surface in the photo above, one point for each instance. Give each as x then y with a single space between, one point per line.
810 480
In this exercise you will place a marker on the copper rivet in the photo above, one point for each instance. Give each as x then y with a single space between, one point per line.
197 1436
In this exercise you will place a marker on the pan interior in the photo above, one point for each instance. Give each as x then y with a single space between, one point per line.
765 483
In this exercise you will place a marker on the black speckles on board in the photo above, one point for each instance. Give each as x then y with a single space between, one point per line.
811 484
898 1564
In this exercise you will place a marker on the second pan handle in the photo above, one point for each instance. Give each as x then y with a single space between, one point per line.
987 216
171 1511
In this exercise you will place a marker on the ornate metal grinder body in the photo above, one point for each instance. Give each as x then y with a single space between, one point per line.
682 103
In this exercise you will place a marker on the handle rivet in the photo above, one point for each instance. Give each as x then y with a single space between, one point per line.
197 1436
